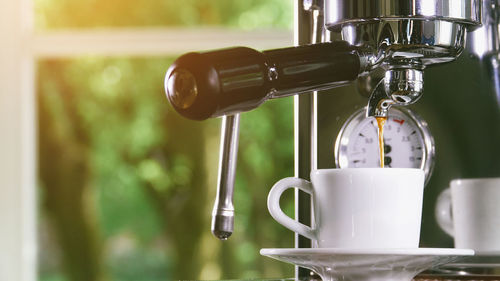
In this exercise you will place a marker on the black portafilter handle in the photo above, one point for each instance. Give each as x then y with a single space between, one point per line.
225 82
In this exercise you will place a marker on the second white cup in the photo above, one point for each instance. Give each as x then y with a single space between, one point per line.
358 208
469 211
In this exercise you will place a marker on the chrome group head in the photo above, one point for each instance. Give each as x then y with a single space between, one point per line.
403 37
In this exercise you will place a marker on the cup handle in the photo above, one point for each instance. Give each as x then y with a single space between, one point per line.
273 204
443 212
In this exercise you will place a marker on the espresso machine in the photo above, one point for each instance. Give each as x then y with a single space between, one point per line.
355 60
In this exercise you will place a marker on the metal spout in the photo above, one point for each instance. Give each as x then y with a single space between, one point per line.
400 86
223 212
379 102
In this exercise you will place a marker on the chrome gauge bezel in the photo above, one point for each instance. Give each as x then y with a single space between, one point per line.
428 151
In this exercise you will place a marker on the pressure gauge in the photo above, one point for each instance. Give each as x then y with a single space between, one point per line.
407 142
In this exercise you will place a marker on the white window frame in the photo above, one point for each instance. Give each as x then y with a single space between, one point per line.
20 48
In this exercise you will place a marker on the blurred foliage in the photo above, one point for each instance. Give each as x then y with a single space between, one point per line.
244 14
126 184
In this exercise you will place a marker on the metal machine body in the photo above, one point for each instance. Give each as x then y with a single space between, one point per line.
390 48
461 105
401 38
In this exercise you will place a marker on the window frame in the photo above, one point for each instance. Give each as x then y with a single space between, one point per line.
21 47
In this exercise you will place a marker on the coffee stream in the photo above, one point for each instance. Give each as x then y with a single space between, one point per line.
380 122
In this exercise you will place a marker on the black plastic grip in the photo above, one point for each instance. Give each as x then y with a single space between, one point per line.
313 67
229 81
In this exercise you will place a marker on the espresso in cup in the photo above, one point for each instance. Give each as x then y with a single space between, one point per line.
358 207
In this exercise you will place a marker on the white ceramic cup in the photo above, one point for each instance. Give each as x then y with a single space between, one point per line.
358 207
469 211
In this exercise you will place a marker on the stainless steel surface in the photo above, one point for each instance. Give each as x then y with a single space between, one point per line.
400 87
485 43
397 38
223 213
401 41
485 39
340 12
403 37
466 271
315 8
429 31
438 277
461 109
308 28
405 85
379 102
313 5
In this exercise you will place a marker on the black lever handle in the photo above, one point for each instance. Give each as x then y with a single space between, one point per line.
229 81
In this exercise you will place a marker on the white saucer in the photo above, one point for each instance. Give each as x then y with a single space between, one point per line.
367 264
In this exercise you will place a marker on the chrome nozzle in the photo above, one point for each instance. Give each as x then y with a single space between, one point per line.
400 86
223 212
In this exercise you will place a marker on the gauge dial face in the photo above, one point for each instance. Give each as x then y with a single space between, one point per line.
407 142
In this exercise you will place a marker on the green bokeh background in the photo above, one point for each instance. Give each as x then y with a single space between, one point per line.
126 185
